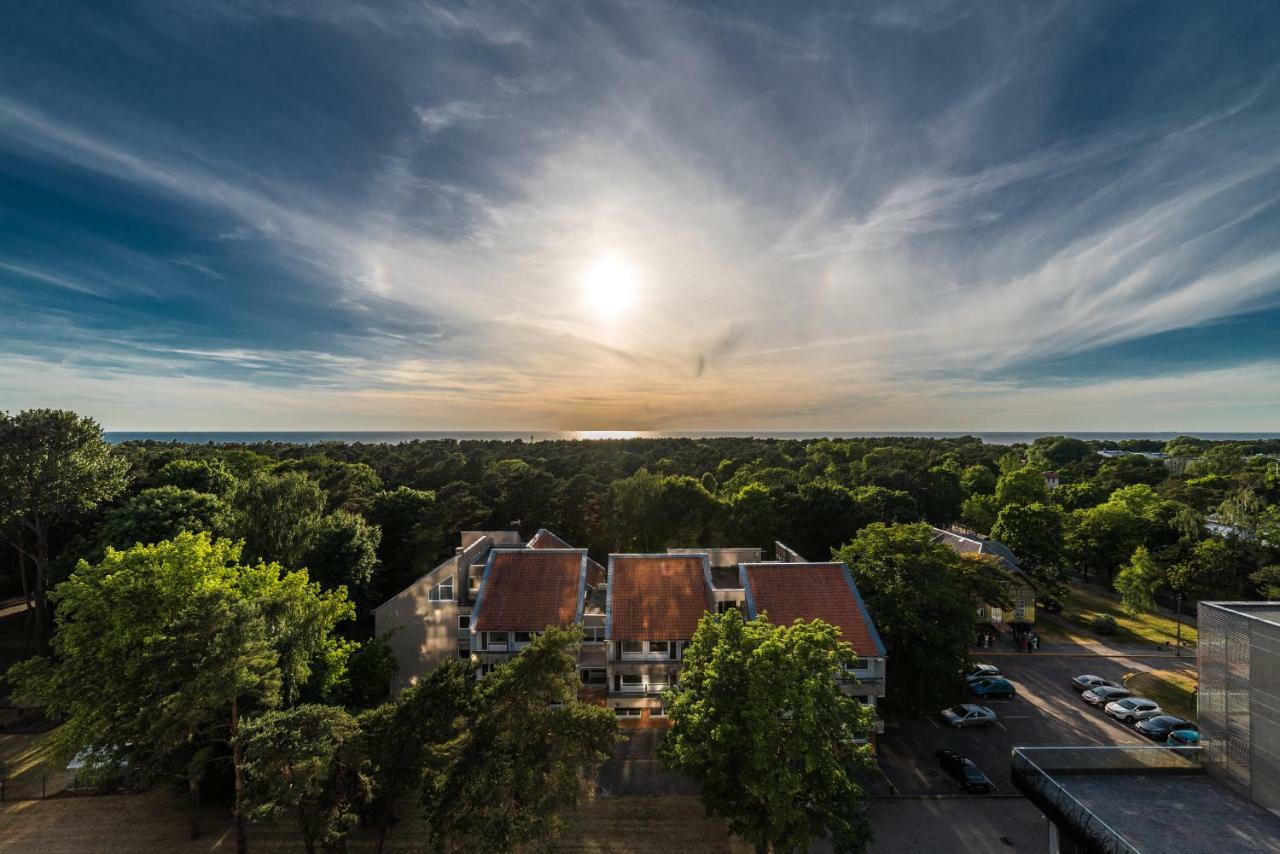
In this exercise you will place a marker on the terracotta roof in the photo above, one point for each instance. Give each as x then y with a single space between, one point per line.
657 597
526 590
544 539
812 591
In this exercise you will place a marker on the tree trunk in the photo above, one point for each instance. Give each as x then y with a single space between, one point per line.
308 840
28 617
237 760
193 792
40 600
384 824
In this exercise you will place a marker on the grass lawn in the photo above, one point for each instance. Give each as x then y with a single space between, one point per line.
1174 690
1081 605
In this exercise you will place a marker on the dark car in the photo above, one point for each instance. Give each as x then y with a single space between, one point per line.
992 688
1053 606
1159 727
963 771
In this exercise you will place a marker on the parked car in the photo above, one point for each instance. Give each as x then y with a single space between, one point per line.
968 714
963 770
982 671
993 688
1104 694
1132 709
1087 681
1184 738
1159 727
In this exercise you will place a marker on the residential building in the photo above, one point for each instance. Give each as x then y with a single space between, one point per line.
787 592
1018 587
1050 480
489 600
1223 796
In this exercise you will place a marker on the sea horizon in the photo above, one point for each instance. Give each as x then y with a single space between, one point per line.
392 437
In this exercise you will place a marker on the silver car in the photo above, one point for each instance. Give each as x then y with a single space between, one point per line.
968 714
1104 694
1087 681
1132 709
982 671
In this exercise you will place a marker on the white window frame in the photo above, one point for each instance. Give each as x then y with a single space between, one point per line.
636 686
492 642
437 593
658 712
627 713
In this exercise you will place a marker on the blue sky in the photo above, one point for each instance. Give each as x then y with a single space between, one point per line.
642 215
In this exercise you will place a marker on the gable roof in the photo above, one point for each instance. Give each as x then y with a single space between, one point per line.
528 590
657 597
812 591
972 545
545 539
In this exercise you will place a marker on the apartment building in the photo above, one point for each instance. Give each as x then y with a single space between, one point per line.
490 599
1018 587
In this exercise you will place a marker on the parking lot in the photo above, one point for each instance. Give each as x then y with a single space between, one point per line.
1047 711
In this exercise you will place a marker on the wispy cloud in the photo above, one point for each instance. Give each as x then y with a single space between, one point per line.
846 216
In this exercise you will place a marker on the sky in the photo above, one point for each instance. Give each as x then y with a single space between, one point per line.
601 215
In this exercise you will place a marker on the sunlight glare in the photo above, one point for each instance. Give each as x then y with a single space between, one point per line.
610 286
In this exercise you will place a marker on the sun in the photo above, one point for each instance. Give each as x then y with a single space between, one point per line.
610 286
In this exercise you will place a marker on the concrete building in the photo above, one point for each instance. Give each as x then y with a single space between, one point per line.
491 599
1223 796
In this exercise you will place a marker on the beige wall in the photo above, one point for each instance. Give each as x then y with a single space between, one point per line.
427 632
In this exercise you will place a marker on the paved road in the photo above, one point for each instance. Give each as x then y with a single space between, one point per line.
1046 712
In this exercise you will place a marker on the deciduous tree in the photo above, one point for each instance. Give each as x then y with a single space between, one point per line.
760 721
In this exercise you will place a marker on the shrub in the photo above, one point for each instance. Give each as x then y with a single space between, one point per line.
1105 624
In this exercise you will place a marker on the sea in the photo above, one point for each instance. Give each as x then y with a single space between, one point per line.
393 437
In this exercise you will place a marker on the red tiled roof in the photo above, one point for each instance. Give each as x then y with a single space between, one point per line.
657 597
544 539
810 591
529 590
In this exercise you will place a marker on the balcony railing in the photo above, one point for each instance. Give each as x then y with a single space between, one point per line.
1035 769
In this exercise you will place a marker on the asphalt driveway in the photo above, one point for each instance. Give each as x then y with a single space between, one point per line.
1047 711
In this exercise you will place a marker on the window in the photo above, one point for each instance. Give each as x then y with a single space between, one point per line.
860 664
659 647
632 647
464 653
657 712
442 592
593 676
497 638
524 637
473 583
675 650
632 680
627 713
464 621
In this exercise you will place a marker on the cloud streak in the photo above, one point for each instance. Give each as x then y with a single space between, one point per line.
859 220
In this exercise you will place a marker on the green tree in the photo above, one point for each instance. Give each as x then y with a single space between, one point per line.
344 553
411 535
277 516
979 512
760 721
1137 582
1078 496
978 480
55 467
1021 486
1059 451
414 741
1102 538
161 648
1034 533
525 754
916 591
208 476
161 514
299 763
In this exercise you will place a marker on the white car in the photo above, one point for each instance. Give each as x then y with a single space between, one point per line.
982 671
968 714
1104 694
1132 709
1084 683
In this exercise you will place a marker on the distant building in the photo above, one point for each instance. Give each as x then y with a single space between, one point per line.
1018 587
1223 796
1050 480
